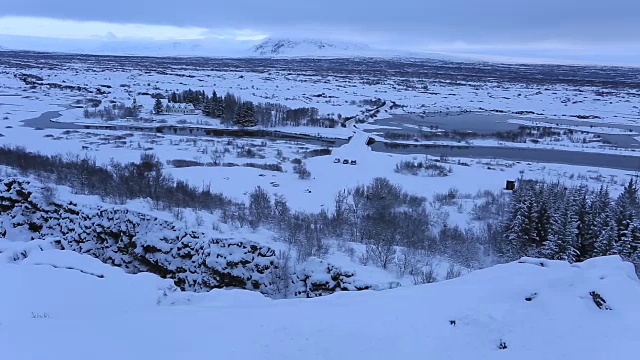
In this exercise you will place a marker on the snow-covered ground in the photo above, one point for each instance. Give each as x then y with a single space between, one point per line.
342 94
331 95
328 178
63 305
577 143
587 129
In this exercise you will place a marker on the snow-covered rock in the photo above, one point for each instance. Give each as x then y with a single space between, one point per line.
317 278
138 242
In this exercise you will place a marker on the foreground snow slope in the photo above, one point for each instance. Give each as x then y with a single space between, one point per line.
62 305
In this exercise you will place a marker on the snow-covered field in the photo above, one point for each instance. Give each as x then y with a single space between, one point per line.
59 304
338 95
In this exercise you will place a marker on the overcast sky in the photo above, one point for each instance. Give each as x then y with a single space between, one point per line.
469 25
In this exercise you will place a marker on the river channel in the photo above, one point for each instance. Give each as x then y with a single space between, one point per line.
480 123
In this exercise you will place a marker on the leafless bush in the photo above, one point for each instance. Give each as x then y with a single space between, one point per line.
38 315
280 274
453 272
426 275
182 163
317 152
447 199
407 261
268 167
302 171
199 219
49 193
430 167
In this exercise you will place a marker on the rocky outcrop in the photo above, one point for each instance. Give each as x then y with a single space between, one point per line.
138 242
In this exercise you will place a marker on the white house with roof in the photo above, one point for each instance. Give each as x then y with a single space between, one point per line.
178 108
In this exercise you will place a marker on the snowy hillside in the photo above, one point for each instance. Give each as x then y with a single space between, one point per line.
307 47
68 305
272 47
211 48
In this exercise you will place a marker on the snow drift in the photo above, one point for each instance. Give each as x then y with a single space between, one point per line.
63 305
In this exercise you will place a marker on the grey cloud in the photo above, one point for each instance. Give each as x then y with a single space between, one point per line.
406 21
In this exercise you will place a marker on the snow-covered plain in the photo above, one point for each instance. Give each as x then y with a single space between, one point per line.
59 304
331 94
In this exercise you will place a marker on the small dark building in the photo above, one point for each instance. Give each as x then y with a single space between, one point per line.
511 185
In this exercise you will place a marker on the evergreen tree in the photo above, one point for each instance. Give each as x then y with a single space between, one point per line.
546 197
607 237
134 111
212 105
189 97
561 244
245 114
206 108
626 213
218 108
520 228
230 105
629 241
585 241
157 107
249 115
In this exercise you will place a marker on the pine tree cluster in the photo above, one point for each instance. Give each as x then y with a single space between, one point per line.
231 109
553 221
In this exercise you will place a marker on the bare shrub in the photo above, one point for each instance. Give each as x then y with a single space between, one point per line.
302 171
453 272
280 274
447 199
49 194
426 274
39 315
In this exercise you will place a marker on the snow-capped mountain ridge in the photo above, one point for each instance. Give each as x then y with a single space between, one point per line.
318 48
270 47
288 47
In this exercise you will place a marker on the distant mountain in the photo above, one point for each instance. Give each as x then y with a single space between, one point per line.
210 47
310 47
323 48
